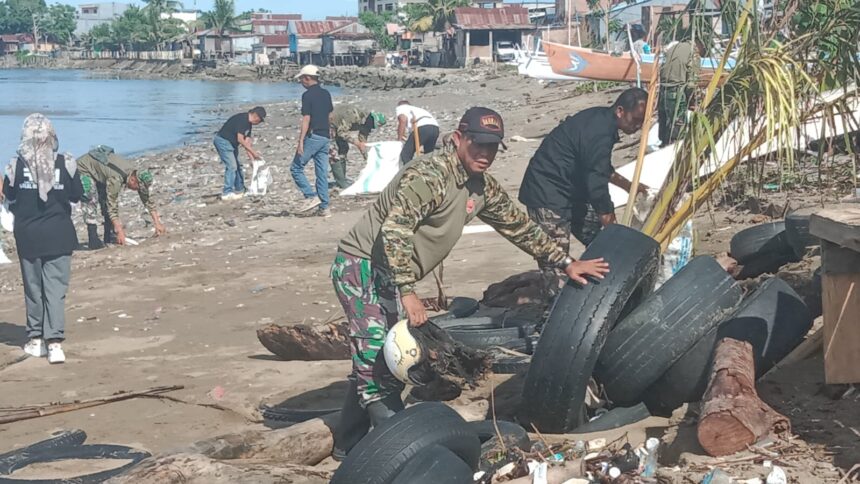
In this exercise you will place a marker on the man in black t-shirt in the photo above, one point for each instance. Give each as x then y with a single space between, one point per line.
314 141
237 132
566 185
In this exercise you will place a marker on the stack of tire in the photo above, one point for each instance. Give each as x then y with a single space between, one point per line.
646 346
428 443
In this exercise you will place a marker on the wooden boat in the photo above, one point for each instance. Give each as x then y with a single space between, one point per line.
568 60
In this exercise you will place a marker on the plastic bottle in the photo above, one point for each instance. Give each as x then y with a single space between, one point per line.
652 447
717 476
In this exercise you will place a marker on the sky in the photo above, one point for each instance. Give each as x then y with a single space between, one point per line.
309 9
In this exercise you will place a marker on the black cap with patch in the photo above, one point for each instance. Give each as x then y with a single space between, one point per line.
484 125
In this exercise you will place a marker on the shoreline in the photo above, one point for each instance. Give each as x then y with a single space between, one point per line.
375 78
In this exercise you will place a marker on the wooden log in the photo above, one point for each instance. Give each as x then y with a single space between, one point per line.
199 469
306 343
307 443
733 416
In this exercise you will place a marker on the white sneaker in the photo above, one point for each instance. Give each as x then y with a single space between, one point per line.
230 197
36 347
55 353
309 205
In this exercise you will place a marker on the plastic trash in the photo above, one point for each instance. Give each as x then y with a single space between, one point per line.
7 220
261 178
677 255
4 259
652 448
717 476
539 475
777 476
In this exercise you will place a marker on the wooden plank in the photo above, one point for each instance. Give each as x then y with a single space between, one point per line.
841 303
842 227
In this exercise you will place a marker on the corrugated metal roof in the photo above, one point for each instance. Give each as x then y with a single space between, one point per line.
470 18
276 40
17 38
316 28
276 16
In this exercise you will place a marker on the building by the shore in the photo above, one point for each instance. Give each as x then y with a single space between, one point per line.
90 15
384 5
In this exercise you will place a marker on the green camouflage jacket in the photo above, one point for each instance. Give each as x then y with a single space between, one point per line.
419 217
114 178
346 121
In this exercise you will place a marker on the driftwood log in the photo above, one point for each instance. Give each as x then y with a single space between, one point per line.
306 343
259 456
733 416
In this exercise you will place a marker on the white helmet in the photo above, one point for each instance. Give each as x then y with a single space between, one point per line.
402 351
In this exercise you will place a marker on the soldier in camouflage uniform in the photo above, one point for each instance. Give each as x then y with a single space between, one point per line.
411 228
103 175
678 79
350 125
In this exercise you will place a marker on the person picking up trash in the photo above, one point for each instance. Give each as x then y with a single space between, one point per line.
409 230
409 120
566 184
104 174
40 184
350 125
237 132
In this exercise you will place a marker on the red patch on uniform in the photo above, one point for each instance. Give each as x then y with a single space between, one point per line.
470 206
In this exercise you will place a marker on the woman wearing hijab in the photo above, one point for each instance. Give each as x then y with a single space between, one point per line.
40 185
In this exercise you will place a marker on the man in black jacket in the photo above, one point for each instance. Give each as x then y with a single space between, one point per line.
566 185
39 185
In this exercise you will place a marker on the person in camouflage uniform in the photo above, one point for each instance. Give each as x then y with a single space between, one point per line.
103 175
678 78
408 232
350 125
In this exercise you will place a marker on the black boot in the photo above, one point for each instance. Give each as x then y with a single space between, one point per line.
353 426
110 236
93 235
382 410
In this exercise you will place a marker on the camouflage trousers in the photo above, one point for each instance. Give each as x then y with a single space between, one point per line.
369 300
672 113
338 152
581 221
94 200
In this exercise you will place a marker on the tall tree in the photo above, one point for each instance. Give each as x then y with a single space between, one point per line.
19 15
59 23
375 22
162 29
437 15
222 17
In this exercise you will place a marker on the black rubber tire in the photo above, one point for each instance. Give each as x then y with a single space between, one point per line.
511 365
750 243
774 319
660 330
479 322
580 320
769 261
435 465
294 415
383 453
88 452
66 438
487 338
797 231
616 418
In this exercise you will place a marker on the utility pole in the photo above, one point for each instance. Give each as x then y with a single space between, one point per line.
36 31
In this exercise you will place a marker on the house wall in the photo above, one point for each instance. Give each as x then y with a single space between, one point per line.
104 13
245 44
347 46
479 43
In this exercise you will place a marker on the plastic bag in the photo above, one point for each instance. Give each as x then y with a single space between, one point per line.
677 255
261 178
383 163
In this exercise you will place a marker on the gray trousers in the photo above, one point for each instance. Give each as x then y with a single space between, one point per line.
46 280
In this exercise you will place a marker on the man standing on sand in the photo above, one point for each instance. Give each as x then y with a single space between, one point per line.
411 228
408 117
314 141
350 125
237 132
566 185
103 175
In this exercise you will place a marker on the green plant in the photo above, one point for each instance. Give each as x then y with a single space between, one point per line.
376 23
222 17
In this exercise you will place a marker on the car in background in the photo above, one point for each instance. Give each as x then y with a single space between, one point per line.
505 51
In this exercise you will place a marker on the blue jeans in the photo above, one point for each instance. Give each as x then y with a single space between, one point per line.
316 148
234 180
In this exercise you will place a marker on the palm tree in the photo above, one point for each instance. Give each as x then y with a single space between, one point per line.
437 15
784 66
222 17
